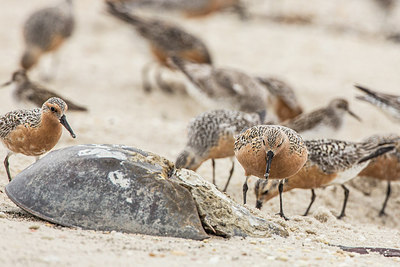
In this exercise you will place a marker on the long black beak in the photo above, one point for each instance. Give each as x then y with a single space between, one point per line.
268 158
63 121
259 204
353 114
6 84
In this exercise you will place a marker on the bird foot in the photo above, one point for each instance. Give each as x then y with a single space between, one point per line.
282 216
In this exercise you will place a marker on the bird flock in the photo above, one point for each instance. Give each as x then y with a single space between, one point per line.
258 120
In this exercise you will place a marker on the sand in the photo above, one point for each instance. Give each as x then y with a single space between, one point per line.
100 67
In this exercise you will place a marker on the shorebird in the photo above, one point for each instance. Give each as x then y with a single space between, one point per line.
28 91
211 135
33 132
190 8
323 121
281 98
387 103
270 151
385 167
165 40
216 87
329 162
45 31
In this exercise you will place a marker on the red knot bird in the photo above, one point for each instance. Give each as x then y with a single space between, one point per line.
46 30
211 135
190 8
282 98
387 103
322 122
385 167
270 152
28 91
329 162
216 87
33 132
165 40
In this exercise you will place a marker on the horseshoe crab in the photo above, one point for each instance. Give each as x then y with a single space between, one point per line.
107 187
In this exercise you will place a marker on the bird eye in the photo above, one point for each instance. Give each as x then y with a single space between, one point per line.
280 143
53 109
264 193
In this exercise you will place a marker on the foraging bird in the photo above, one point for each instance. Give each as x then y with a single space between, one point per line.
385 167
323 121
45 31
211 135
165 40
216 87
329 162
270 151
282 98
28 91
33 132
387 103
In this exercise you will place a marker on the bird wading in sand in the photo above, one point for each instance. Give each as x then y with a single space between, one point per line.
329 162
33 132
270 152
211 135
165 40
45 31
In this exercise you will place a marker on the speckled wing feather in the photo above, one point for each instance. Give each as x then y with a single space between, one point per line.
386 139
335 155
8 122
205 130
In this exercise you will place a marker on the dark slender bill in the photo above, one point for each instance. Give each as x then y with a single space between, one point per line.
259 204
63 121
354 115
6 84
268 158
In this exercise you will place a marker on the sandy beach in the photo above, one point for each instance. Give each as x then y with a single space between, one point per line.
100 67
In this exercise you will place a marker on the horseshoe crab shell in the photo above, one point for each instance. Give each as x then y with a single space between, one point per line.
107 187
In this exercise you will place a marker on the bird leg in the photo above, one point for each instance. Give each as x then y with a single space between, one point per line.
230 176
145 77
245 188
312 201
346 196
382 212
161 83
7 164
280 201
213 170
